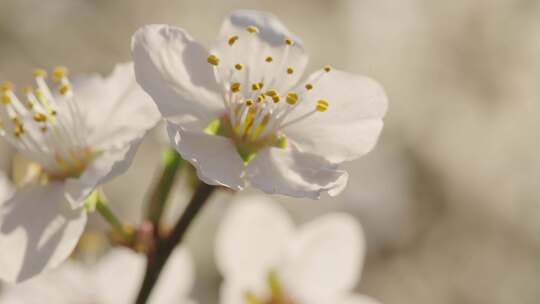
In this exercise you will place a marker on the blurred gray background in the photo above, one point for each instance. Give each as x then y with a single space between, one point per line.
449 199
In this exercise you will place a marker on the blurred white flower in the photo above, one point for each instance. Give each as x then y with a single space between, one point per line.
114 280
274 131
79 136
264 259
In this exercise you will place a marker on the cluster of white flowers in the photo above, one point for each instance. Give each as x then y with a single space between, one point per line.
241 115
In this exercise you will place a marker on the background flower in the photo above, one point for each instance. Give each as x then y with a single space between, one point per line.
114 280
263 256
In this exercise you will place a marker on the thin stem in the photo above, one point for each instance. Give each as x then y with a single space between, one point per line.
163 249
172 163
108 215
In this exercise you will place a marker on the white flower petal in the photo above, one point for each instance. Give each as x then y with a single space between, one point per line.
351 125
251 50
173 69
251 239
116 110
38 231
291 172
325 259
105 167
67 284
215 157
120 273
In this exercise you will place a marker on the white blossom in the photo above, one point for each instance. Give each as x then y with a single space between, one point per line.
241 114
264 258
114 280
78 136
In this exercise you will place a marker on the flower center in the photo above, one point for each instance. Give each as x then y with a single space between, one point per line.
259 101
277 294
46 127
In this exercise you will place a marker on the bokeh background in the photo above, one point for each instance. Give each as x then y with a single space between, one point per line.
449 199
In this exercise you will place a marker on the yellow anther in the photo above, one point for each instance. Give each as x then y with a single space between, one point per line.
272 93
6 99
249 102
59 73
19 130
290 70
232 40
322 106
252 29
292 98
327 68
40 117
64 89
289 42
40 73
29 105
309 86
7 86
260 98
238 66
235 87
213 59
276 98
269 59
257 86
44 129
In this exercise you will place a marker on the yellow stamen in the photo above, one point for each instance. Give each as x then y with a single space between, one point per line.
257 86
289 42
322 106
276 98
292 98
7 86
309 86
249 102
238 66
64 89
19 130
40 117
327 68
260 98
6 99
232 40
290 70
213 60
40 73
59 73
235 87
252 29
272 93
269 59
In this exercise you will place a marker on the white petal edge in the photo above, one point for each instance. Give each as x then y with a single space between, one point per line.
252 50
215 157
251 238
38 231
172 68
105 167
293 173
116 109
325 258
353 122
